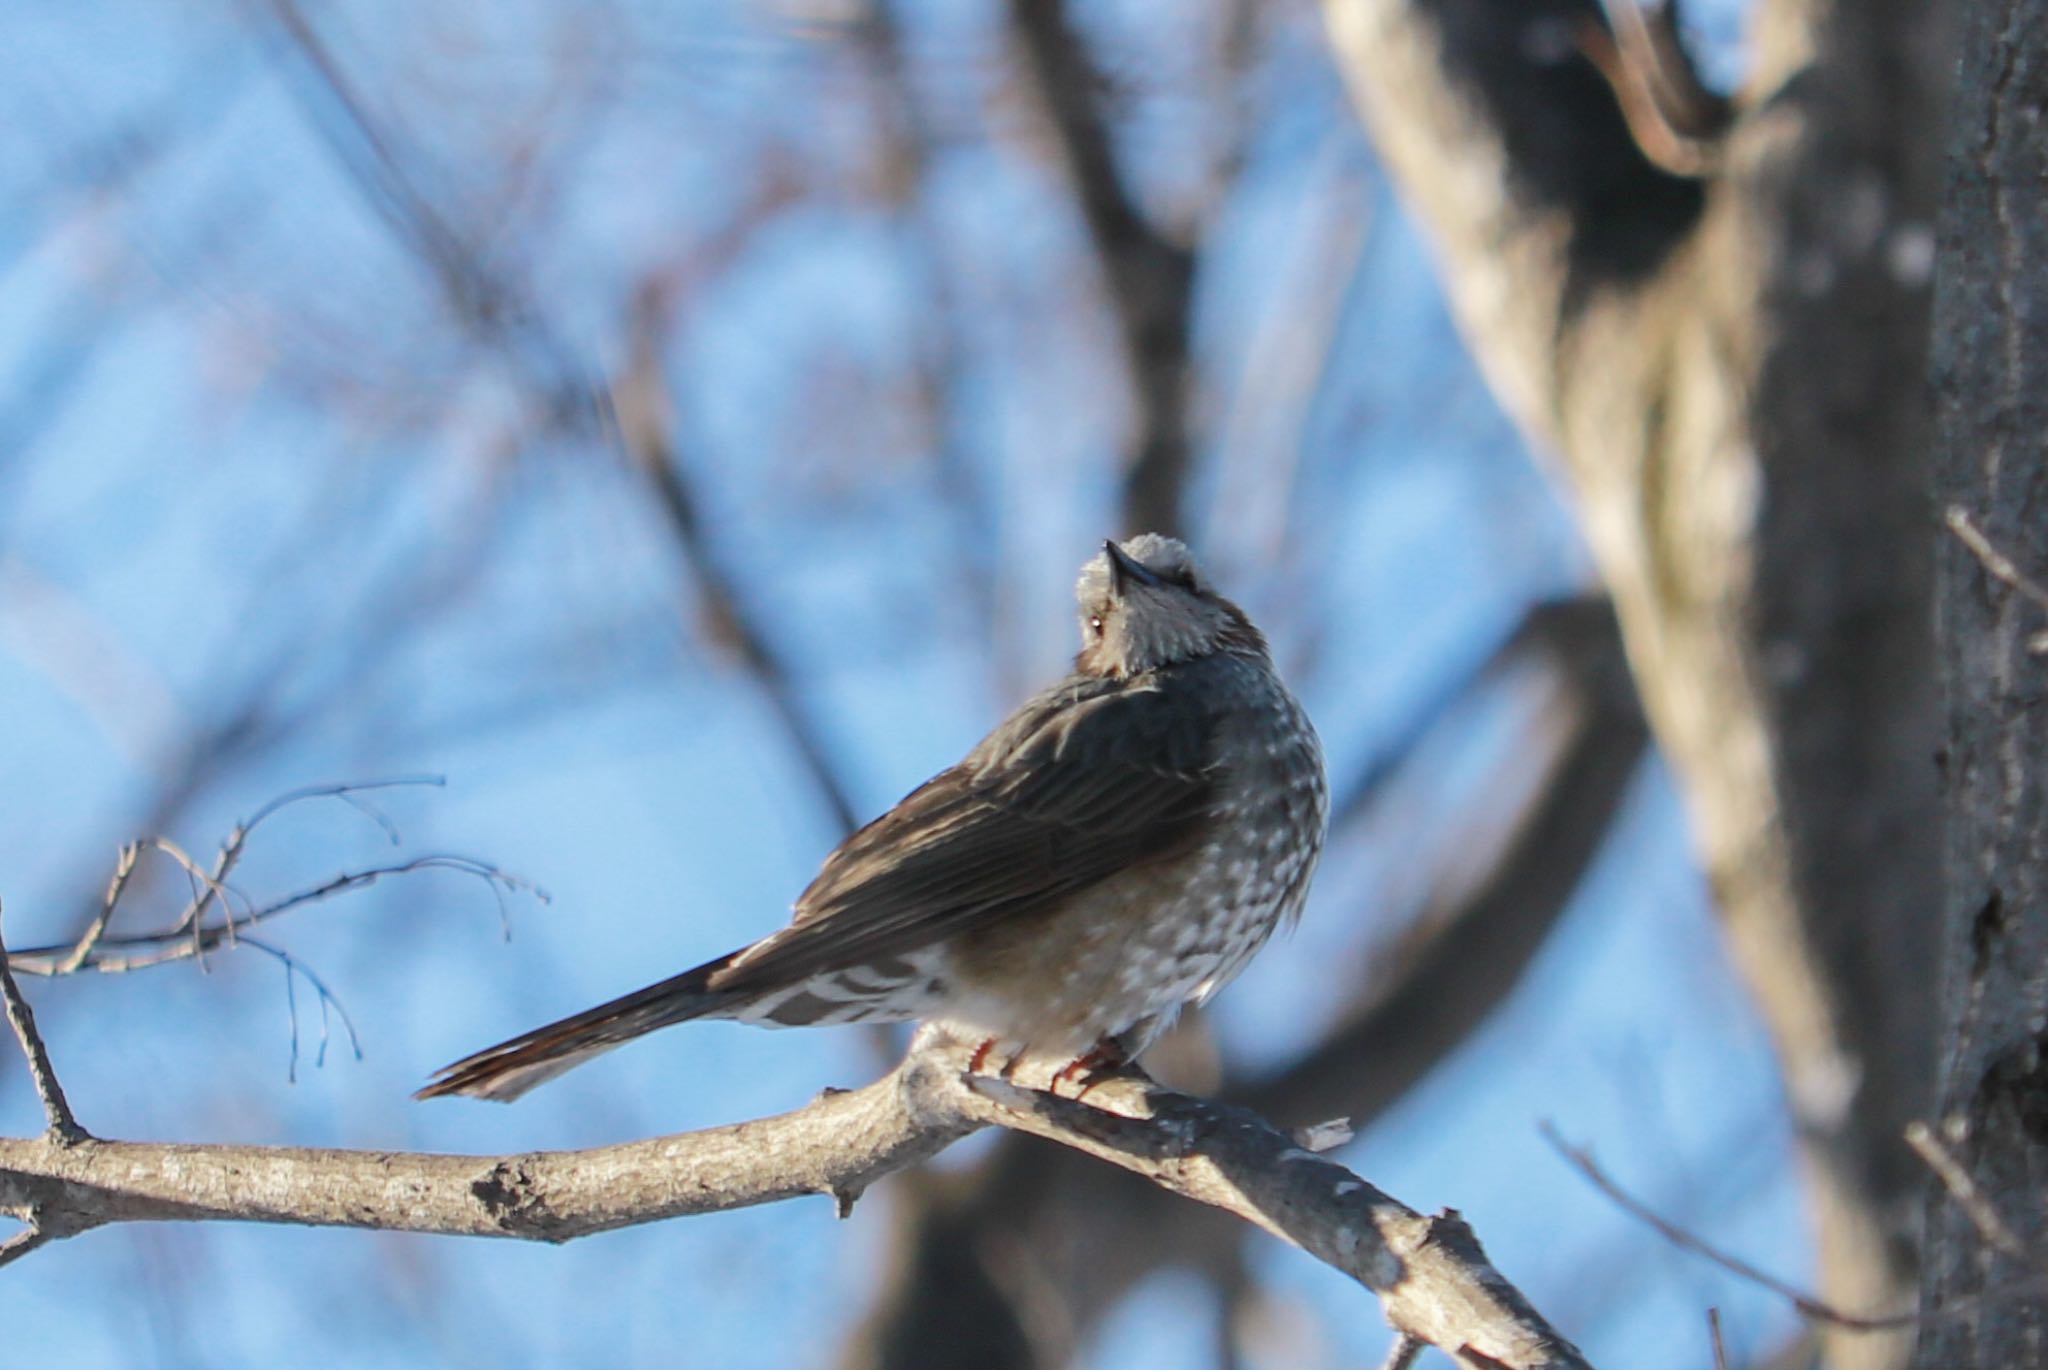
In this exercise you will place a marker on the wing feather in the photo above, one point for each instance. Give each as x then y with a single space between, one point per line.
1089 779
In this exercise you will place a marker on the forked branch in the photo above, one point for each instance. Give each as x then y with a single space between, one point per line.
217 914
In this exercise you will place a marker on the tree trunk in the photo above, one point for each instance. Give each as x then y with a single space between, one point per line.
1729 370
1991 380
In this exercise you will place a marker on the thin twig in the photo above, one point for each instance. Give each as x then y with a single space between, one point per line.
63 1126
346 793
1976 1207
214 882
1714 1339
182 942
1806 1304
293 968
124 867
1996 562
1998 565
207 885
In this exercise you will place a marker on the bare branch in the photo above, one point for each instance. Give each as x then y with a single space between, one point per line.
124 869
185 942
1938 1158
1434 1280
1430 1272
190 935
63 1128
207 886
837 1145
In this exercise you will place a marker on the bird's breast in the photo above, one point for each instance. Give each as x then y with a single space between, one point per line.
1141 943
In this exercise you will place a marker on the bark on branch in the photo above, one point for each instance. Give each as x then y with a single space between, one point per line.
1430 1273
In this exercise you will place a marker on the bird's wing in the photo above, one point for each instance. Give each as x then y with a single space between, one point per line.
1082 782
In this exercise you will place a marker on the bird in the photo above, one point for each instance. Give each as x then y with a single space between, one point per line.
1118 848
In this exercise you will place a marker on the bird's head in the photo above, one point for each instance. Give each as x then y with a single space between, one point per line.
1144 605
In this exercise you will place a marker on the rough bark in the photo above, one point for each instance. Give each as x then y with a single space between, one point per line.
1728 369
1991 382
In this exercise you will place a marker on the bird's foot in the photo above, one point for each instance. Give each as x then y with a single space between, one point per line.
1105 1060
1100 1062
977 1064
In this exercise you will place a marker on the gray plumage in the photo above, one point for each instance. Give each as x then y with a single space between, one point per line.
1120 846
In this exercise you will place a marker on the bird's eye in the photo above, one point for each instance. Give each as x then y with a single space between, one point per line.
1095 625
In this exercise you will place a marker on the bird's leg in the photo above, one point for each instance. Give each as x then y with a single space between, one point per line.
1092 1066
980 1056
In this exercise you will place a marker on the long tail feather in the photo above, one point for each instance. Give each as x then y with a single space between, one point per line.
509 1069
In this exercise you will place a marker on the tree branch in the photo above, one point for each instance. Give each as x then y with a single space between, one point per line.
1435 1281
63 1129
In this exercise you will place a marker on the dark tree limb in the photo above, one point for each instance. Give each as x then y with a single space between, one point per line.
1991 482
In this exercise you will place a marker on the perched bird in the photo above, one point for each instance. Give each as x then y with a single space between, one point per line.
1118 848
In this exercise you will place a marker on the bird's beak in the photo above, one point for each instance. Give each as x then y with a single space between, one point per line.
1124 568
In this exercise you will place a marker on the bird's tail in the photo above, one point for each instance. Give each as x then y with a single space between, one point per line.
509 1069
